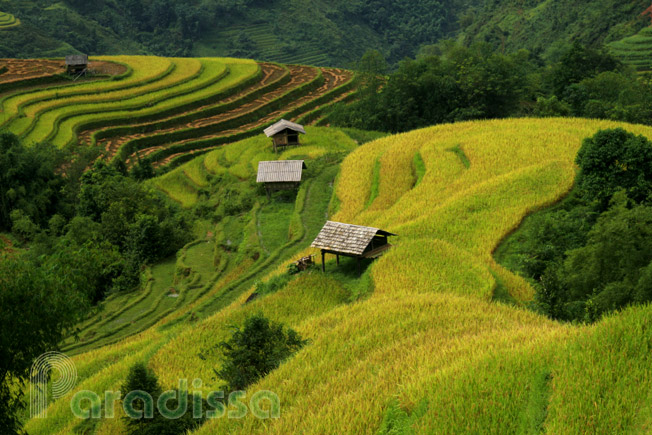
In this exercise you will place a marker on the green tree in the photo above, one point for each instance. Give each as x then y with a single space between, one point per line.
608 270
255 350
577 63
615 159
140 378
39 306
27 181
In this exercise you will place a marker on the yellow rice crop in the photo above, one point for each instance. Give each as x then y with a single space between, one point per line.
430 330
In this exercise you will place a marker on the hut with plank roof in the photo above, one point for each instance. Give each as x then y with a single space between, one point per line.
349 240
280 174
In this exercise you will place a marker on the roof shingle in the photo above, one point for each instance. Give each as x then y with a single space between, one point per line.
279 171
346 238
282 125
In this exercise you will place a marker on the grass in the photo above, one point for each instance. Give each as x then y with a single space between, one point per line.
51 114
274 223
419 168
418 343
459 152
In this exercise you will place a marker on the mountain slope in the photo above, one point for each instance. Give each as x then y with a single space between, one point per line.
312 32
428 348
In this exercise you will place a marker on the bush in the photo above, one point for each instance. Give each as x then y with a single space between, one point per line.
140 378
615 159
255 350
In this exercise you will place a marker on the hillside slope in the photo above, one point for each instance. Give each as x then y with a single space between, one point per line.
544 27
428 349
161 110
312 32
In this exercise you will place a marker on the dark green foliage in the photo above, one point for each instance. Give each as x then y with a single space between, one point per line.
140 378
255 350
143 170
336 33
592 254
135 219
27 182
608 269
613 160
143 379
449 82
577 64
460 83
39 305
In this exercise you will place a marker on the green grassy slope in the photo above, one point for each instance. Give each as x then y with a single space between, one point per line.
544 27
7 21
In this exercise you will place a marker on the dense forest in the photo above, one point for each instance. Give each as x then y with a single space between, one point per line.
449 82
293 31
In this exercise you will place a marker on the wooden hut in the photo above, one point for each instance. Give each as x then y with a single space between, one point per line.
284 133
77 63
280 174
351 241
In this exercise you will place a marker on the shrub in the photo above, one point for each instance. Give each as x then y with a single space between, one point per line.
140 378
615 159
255 350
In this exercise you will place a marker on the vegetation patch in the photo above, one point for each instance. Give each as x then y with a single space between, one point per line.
459 152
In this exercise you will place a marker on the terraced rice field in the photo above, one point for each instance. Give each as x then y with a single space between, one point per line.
163 109
428 349
8 21
267 44
635 50
178 284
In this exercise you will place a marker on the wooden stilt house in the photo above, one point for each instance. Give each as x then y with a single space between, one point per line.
280 174
284 133
351 241
77 63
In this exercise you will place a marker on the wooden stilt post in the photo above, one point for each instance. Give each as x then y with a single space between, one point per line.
337 256
323 261
359 266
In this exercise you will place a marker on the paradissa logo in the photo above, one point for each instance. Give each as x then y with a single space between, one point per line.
140 404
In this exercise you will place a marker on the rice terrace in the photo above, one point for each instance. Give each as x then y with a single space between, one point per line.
252 225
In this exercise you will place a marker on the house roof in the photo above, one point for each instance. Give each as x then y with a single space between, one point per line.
77 59
278 171
346 238
282 125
